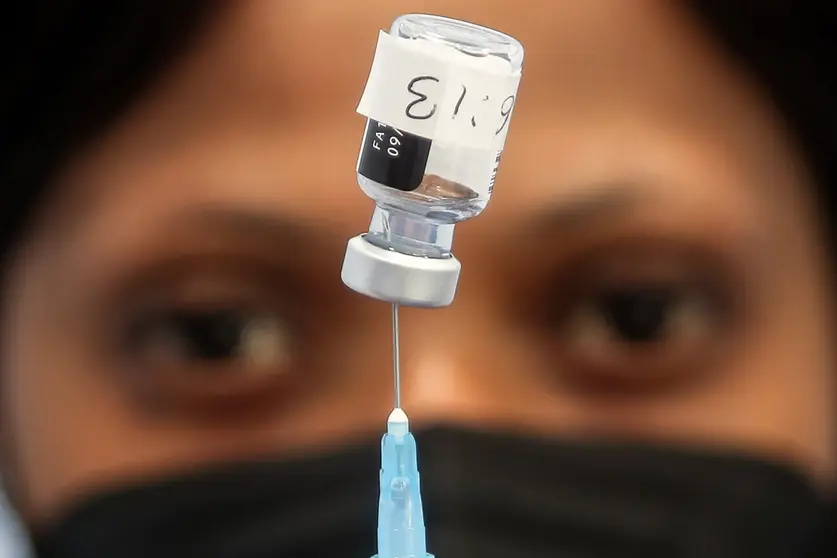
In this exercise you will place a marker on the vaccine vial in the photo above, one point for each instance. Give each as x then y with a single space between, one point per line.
438 102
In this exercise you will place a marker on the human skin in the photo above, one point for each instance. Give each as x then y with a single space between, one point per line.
638 152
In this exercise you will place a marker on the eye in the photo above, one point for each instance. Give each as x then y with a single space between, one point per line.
641 324
211 337
215 355
646 314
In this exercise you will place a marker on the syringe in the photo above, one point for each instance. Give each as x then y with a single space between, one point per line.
401 532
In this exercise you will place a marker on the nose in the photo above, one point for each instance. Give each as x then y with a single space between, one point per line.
463 365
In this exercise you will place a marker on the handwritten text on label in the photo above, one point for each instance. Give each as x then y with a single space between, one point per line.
438 98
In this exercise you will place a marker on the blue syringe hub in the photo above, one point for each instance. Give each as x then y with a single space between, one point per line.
401 532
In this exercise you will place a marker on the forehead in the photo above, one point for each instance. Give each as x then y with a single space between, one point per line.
323 48
262 111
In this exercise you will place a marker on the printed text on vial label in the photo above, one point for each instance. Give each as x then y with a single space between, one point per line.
392 145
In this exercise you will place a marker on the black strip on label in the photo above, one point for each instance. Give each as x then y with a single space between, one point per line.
392 157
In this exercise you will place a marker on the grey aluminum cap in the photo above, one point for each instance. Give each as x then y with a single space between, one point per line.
399 278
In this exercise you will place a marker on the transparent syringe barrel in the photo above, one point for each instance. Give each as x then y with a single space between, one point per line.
424 183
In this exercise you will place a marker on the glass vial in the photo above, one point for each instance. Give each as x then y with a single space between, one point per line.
422 187
430 158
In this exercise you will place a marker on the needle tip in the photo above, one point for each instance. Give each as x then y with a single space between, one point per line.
398 423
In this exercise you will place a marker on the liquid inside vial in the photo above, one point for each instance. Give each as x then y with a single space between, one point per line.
441 181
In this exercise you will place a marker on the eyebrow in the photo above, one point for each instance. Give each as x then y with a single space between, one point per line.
248 220
597 203
256 226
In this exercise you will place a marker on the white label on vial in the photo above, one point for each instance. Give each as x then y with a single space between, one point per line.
439 93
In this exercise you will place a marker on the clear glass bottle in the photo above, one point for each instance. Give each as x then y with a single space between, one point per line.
424 187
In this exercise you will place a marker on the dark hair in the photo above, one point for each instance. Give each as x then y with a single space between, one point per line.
790 49
73 66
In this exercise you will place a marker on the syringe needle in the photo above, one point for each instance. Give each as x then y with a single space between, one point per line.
401 532
396 357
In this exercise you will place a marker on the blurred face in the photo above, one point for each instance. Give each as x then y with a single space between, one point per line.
649 266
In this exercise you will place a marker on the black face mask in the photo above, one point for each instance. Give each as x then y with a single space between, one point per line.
485 495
